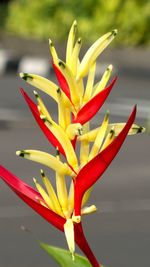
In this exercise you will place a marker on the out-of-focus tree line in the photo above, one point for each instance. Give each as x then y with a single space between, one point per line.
52 18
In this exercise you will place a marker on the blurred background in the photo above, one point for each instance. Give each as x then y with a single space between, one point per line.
119 232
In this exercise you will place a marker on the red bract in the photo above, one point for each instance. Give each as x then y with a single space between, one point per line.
33 107
91 172
62 81
32 198
92 107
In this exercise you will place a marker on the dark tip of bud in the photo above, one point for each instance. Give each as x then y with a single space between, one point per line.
36 94
107 115
61 64
58 90
42 173
114 32
112 132
80 131
51 43
57 152
79 41
140 129
26 76
44 119
21 153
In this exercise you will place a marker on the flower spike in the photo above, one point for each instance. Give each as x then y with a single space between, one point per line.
79 99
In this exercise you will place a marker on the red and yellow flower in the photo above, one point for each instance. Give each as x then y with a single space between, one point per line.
78 102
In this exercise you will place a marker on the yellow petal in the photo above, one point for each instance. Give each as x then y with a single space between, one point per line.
84 148
69 233
62 137
66 71
61 110
109 138
89 85
41 106
105 78
93 52
88 210
75 57
51 193
45 159
91 135
62 193
41 83
71 198
99 137
70 42
44 85
135 129
74 130
45 196
53 51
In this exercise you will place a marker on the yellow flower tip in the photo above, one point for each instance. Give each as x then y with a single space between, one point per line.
21 74
18 152
21 153
89 210
34 180
110 67
75 23
36 94
76 219
61 64
25 76
107 115
79 40
42 173
43 118
50 42
114 32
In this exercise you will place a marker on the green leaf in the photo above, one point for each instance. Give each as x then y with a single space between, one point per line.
63 257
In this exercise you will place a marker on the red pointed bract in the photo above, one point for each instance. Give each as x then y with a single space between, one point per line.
31 197
62 81
88 111
51 138
91 172
84 246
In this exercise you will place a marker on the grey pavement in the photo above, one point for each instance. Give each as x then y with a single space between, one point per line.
119 232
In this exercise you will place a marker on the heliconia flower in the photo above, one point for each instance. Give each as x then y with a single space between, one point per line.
78 102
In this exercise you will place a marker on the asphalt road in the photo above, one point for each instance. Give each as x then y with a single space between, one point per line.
119 232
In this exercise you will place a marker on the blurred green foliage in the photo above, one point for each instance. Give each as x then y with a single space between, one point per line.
52 18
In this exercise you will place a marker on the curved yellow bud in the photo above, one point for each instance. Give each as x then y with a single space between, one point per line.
74 130
93 52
